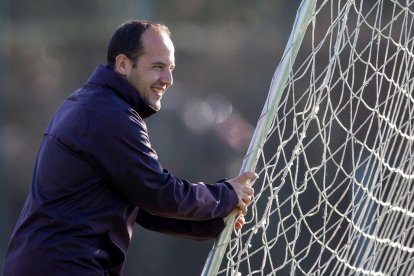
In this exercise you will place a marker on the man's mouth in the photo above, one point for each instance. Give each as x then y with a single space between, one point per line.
158 90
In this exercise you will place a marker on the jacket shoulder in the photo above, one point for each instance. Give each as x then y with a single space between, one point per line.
91 111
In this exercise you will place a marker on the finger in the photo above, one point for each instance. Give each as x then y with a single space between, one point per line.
248 190
246 177
242 207
238 225
239 222
247 199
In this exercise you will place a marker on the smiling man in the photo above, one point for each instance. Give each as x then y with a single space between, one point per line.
151 74
96 174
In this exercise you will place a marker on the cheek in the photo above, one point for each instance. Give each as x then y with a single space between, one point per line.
152 77
148 78
137 81
142 80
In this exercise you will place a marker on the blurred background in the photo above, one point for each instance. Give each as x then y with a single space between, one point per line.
226 53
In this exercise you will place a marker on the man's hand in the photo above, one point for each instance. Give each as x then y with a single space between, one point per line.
239 222
243 191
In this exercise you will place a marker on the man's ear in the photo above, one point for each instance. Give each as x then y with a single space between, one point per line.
123 65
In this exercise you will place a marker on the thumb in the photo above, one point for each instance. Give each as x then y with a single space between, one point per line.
246 177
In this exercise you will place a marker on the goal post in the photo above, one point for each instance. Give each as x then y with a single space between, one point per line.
334 150
264 123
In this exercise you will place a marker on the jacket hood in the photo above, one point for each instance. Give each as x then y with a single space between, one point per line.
106 77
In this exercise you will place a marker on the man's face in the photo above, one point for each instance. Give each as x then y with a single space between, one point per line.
151 74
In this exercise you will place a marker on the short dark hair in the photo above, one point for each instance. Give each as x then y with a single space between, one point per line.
127 40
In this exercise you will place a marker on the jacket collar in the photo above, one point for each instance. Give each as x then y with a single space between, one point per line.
106 77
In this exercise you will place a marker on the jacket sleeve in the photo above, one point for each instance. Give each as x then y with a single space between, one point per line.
196 230
119 148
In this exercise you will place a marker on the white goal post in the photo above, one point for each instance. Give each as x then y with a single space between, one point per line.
334 149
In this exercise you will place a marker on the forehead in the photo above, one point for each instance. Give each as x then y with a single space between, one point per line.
158 45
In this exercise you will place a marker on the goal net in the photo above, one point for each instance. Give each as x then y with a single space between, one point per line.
335 192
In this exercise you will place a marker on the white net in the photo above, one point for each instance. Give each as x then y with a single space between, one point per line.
335 193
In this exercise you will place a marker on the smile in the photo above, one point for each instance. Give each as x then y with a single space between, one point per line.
158 90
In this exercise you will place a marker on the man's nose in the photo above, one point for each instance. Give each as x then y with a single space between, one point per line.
167 78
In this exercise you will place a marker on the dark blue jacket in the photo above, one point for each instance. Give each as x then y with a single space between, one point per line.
95 176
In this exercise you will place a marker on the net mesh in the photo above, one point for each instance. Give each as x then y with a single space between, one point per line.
335 193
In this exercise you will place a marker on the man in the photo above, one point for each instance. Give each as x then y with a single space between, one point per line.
96 174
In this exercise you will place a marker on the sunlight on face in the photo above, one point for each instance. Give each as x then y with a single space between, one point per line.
152 73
